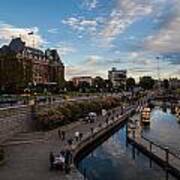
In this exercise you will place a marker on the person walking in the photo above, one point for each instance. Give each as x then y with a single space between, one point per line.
80 136
63 135
67 161
70 142
107 120
99 125
92 130
77 136
51 160
59 133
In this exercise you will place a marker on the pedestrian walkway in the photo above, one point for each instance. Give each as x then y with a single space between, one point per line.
30 161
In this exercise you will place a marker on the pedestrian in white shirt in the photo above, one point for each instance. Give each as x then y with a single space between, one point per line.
77 135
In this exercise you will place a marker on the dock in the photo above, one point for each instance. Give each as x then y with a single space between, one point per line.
166 158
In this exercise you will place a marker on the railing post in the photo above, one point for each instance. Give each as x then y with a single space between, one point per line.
134 134
167 162
150 149
133 151
127 130
167 155
84 173
127 134
167 175
133 148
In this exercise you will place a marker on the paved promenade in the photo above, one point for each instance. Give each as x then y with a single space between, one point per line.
31 161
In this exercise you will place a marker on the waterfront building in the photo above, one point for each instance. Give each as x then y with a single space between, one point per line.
174 83
80 79
21 65
117 77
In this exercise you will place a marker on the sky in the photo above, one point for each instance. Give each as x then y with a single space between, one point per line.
92 36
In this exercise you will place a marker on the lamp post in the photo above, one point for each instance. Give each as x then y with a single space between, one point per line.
35 93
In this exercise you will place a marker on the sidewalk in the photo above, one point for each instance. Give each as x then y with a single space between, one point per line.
31 161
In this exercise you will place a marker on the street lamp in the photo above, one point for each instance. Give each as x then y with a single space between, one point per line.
35 93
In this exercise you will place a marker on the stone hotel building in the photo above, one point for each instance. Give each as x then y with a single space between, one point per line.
21 65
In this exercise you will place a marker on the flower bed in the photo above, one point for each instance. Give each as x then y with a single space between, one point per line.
72 111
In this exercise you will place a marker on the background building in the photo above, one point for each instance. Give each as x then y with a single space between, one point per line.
21 65
117 77
82 79
174 83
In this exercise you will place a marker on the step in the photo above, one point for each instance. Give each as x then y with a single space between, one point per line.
12 143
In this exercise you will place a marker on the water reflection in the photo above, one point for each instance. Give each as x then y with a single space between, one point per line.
113 160
164 129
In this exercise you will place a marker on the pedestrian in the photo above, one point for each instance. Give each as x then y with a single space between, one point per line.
80 136
122 110
100 125
92 130
107 121
59 133
63 135
51 160
70 141
77 136
67 161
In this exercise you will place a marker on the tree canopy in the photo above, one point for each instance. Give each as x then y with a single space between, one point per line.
146 82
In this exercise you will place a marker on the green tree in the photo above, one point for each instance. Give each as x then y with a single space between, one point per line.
165 84
99 83
83 86
130 83
108 85
146 82
69 85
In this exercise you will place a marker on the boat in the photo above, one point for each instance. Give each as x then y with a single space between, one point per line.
145 116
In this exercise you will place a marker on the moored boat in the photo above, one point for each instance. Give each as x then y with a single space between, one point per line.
145 116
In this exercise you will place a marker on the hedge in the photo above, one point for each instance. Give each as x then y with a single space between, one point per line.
72 111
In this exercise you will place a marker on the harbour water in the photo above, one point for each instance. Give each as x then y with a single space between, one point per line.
113 160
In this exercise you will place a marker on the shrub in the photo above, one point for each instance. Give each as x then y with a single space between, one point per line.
72 111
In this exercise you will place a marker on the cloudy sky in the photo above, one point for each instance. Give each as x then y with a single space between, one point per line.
94 35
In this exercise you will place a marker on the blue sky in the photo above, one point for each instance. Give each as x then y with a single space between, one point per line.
94 35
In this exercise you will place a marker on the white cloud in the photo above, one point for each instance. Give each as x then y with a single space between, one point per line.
90 4
81 24
53 30
91 66
79 70
93 60
125 14
167 39
7 32
65 48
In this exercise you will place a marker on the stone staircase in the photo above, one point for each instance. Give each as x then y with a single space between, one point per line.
26 138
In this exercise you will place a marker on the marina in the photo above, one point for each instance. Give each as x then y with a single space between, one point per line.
130 156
